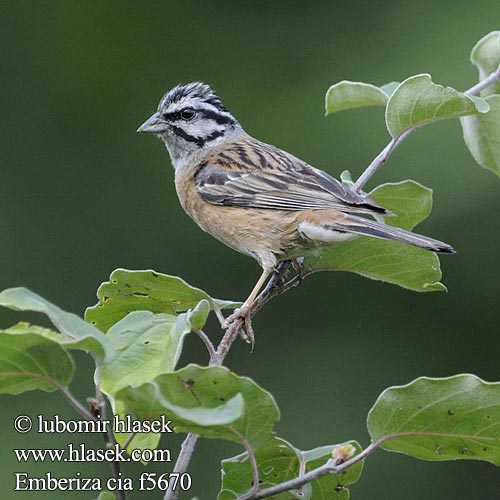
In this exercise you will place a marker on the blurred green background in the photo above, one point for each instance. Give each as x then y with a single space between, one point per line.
82 194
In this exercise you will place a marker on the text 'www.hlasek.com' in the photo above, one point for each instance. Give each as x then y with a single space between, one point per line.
125 427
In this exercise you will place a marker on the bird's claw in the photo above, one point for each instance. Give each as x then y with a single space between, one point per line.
298 265
246 333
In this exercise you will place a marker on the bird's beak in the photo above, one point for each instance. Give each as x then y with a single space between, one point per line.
154 125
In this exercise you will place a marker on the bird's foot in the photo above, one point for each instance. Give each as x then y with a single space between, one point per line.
242 313
298 265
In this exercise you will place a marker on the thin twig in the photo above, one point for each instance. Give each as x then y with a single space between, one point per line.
208 343
218 314
75 403
99 411
253 462
275 287
492 78
189 443
379 160
382 157
129 440
330 467
302 470
182 463
116 468
271 289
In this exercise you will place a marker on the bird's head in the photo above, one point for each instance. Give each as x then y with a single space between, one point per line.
191 120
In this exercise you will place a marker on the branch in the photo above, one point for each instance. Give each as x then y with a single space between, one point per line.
253 463
75 403
492 78
208 343
98 409
277 286
129 440
382 157
182 463
274 287
330 467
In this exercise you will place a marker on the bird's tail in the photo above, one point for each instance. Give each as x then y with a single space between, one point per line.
368 227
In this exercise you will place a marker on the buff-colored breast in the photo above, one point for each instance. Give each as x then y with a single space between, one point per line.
248 230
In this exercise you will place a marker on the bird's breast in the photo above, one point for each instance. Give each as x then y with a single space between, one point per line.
248 230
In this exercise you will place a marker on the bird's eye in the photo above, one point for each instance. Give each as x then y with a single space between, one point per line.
188 114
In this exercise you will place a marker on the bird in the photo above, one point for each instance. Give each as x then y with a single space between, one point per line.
257 198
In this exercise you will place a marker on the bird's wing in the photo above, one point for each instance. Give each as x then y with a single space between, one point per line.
280 182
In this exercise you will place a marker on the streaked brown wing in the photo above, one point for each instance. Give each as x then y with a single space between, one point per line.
295 186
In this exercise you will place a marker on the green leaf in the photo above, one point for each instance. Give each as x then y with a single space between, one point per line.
485 56
211 400
389 88
128 291
149 400
418 101
409 267
404 265
76 333
185 416
146 345
29 360
332 486
482 135
198 315
141 441
346 178
440 419
279 461
346 94
409 200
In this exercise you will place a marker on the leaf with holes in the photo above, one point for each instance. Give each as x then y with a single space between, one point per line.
277 462
440 419
389 261
482 135
30 360
128 291
75 332
146 345
210 401
485 55
418 101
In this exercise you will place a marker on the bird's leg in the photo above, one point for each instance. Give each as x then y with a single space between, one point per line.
245 311
257 287
278 277
298 265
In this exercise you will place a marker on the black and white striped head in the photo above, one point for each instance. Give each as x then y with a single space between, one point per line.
191 120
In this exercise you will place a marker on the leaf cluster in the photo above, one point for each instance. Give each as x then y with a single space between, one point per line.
135 333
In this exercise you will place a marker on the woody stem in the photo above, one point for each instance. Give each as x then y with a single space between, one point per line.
382 157
274 287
